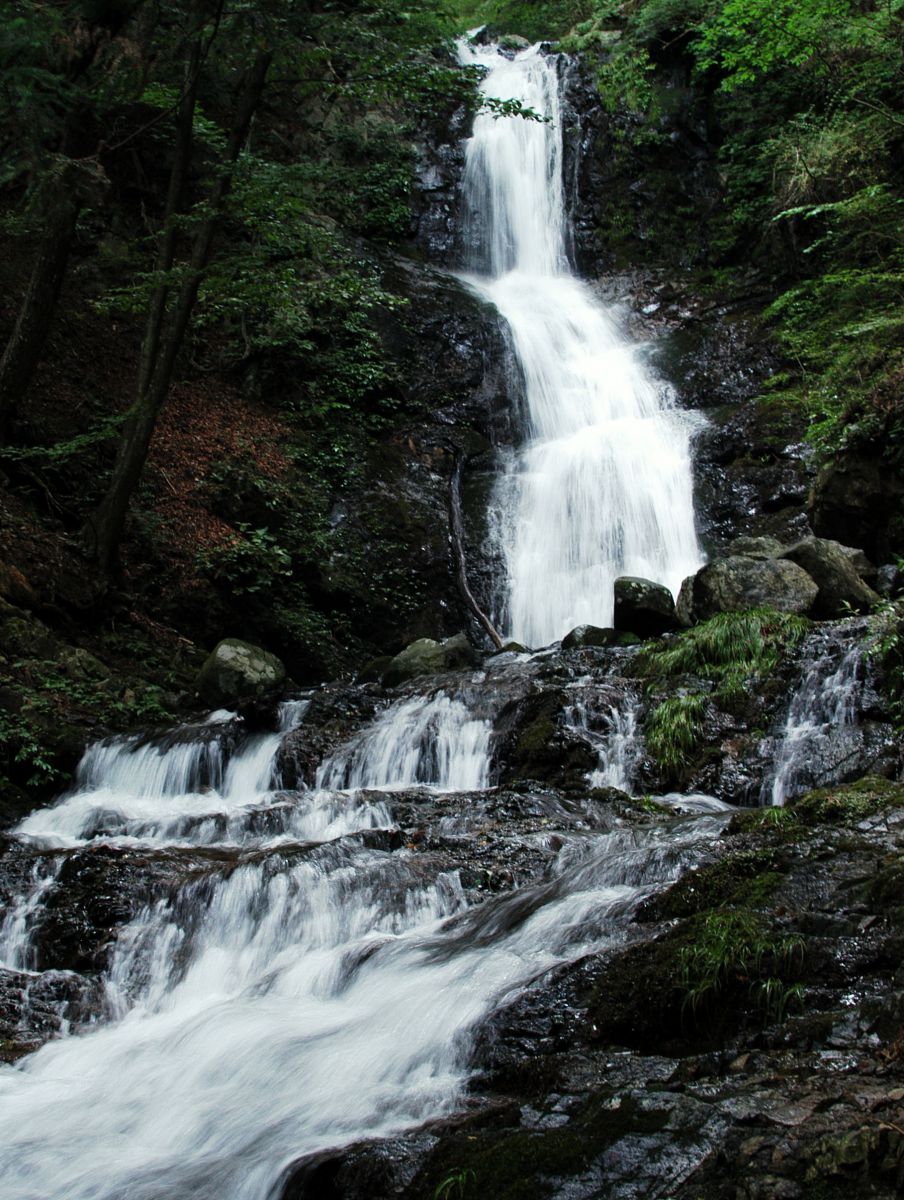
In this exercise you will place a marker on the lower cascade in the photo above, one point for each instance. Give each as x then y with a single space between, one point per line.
303 986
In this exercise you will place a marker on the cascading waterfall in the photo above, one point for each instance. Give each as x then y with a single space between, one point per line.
615 735
430 741
823 707
602 486
294 994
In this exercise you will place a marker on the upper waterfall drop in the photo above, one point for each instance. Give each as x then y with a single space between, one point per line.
602 486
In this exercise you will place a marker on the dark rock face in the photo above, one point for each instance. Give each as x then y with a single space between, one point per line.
592 635
643 607
855 500
389 557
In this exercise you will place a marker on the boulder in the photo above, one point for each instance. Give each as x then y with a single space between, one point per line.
427 657
840 586
738 583
643 607
756 547
235 669
890 581
592 635
684 605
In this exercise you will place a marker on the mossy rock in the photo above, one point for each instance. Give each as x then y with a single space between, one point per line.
235 669
521 1164
748 878
847 804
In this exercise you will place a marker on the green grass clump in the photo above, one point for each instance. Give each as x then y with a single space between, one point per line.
674 730
730 649
738 952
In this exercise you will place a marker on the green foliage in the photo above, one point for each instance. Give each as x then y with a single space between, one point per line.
674 730
737 951
25 751
745 39
455 1185
249 564
730 649
535 20
888 648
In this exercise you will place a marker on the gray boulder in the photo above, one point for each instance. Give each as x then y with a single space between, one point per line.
738 583
832 567
756 547
643 607
427 657
235 670
593 635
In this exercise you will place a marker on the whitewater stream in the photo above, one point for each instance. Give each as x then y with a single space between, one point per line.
299 978
602 485
300 987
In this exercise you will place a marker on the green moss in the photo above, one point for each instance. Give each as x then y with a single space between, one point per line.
846 804
746 879
517 1164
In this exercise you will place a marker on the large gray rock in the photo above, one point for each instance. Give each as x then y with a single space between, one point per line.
427 657
594 635
756 547
737 583
832 567
643 607
234 670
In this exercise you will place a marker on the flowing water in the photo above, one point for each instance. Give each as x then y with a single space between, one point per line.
812 747
602 486
306 990
301 980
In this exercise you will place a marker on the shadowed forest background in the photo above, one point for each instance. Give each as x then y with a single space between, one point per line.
231 396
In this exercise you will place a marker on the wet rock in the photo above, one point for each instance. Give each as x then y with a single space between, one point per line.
35 1008
832 567
235 670
532 742
859 499
889 580
643 607
593 635
739 583
756 547
428 657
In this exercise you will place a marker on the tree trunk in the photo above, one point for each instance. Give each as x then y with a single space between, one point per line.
102 533
23 350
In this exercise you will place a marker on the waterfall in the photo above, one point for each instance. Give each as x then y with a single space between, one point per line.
812 745
602 486
423 741
618 742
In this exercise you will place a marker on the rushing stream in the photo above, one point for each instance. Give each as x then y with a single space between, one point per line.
299 989
602 485
298 977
